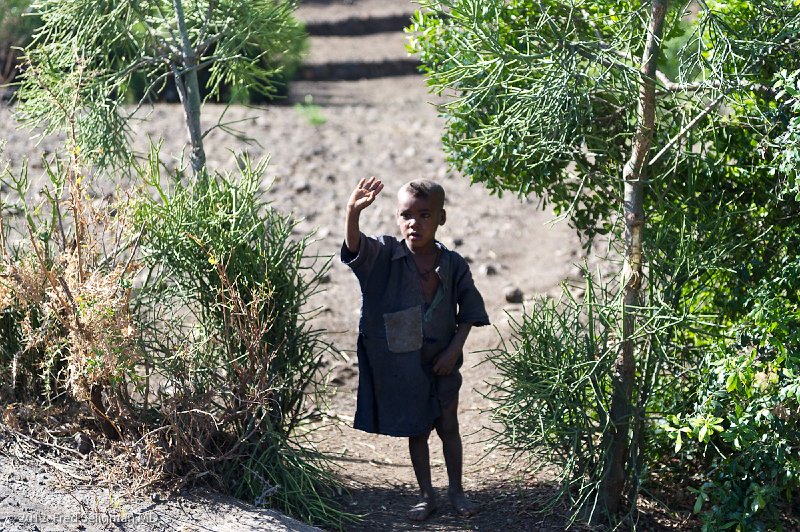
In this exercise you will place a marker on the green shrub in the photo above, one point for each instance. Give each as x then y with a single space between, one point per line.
743 434
552 390
233 362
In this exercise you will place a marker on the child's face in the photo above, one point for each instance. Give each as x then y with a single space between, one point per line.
418 219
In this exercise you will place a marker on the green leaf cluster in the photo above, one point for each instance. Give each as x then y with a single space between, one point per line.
542 95
751 388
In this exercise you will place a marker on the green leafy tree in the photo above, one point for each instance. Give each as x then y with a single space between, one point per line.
623 114
86 54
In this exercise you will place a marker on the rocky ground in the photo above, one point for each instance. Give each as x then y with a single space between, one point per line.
386 126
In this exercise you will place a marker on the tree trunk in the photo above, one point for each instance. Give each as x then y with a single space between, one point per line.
617 439
189 92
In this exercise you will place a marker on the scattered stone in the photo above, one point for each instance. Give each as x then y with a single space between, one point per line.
83 443
513 294
314 152
487 269
342 374
458 242
325 279
302 186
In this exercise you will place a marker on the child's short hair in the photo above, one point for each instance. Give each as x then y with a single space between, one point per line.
425 188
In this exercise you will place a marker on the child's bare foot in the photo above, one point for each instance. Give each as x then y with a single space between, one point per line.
423 509
463 507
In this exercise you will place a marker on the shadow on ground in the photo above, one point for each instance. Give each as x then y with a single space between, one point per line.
502 507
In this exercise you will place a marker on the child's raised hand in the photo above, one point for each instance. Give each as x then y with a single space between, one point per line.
364 194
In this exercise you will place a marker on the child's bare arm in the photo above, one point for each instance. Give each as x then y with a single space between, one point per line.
447 359
361 198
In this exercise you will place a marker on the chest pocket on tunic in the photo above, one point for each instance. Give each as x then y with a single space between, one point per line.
404 330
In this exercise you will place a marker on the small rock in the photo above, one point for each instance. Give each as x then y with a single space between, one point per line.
302 186
325 279
83 443
488 269
458 242
513 294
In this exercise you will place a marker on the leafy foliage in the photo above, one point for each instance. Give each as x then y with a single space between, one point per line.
789 142
544 99
740 432
225 333
750 389
530 105
545 92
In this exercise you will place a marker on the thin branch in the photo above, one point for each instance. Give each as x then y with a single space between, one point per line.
671 86
688 127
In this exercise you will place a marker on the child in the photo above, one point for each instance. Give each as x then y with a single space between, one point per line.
418 306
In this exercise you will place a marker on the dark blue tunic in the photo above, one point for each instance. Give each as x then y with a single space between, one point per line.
399 335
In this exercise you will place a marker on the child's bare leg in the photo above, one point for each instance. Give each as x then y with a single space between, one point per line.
420 459
448 431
